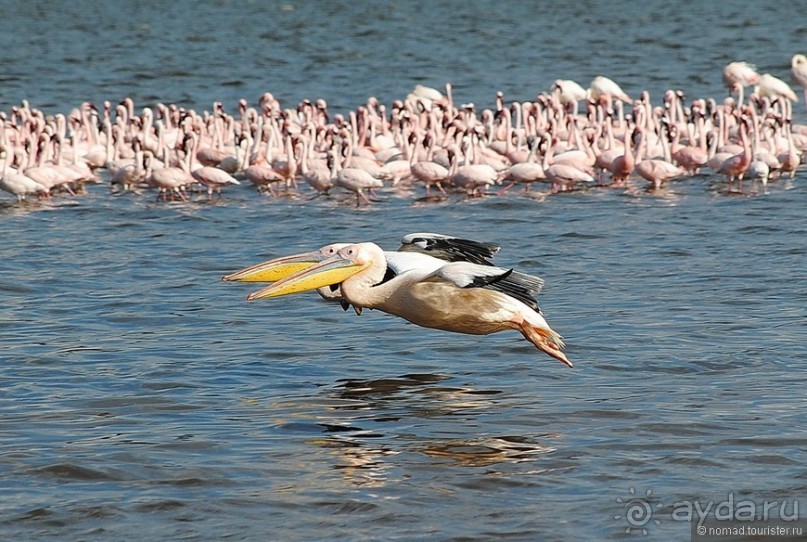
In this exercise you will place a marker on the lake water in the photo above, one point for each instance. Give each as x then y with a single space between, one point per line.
143 399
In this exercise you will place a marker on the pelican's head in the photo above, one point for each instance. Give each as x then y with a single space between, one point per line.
348 261
279 268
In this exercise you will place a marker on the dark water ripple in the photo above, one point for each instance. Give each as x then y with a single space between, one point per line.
143 399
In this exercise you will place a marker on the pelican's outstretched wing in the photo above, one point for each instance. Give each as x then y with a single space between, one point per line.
450 249
507 281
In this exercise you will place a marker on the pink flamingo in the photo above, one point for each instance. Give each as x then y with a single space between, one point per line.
45 174
563 176
357 181
690 157
427 171
261 175
167 179
213 179
798 67
474 178
286 165
315 172
774 88
526 172
623 165
217 156
210 177
128 174
613 149
737 76
353 179
78 170
654 170
569 93
791 158
736 166
602 86
579 155
397 167
17 184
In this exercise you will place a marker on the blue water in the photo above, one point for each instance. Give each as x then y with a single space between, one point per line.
141 398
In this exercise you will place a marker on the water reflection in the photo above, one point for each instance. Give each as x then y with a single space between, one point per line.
486 451
666 193
416 393
361 463
373 429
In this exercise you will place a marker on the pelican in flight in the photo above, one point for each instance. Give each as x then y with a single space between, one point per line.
457 296
438 247
444 247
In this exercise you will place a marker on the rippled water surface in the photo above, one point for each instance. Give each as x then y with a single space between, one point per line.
143 399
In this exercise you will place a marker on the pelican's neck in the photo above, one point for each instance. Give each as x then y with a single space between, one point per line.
366 288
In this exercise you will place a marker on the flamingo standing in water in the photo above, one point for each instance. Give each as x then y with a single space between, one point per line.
127 174
167 179
262 176
315 172
601 86
357 181
427 171
774 88
606 156
45 174
474 178
563 176
17 184
353 179
798 67
690 157
737 76
568 92
791 158
526 172
759 171
213 179
623 165
736 166
654 170
740 72
259 172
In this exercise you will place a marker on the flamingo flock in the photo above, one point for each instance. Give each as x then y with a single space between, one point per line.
566 139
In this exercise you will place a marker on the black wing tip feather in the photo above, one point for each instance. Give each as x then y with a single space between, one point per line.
452 249
480 281
517 285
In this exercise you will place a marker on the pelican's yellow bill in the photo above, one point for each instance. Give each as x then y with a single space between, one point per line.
329 272
277 269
